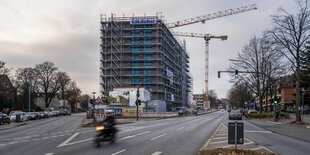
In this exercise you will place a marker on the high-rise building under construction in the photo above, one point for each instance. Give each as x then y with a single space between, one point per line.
136 49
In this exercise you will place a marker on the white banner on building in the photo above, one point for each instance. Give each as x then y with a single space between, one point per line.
142 20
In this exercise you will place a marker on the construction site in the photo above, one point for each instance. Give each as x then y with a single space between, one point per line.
143 50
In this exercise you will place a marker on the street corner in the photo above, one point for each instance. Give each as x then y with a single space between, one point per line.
218 142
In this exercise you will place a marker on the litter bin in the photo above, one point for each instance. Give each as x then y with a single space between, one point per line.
17 118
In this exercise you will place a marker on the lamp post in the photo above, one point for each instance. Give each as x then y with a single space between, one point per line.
29 95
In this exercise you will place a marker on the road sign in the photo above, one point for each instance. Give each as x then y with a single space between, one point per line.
232 133
98 100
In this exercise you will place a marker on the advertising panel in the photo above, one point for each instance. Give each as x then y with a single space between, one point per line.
142 20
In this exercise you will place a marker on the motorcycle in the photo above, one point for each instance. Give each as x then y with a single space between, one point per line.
105 135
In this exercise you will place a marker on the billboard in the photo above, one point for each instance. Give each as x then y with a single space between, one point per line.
142 20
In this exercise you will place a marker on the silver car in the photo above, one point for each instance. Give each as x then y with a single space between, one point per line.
22 115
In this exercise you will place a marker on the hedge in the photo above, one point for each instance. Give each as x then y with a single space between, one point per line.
266 115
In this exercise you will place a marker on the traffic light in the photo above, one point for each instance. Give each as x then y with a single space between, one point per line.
275 102
219 74
236 73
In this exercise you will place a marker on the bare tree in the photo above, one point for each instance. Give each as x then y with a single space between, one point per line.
73 94
239 94
262 62
212 98
25 78
48 81
3 69
65 81
290 32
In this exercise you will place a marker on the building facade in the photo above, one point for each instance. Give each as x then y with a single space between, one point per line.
137 49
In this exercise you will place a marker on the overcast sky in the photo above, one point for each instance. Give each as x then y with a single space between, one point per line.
66 32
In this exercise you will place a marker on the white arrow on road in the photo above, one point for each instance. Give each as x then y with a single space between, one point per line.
68 140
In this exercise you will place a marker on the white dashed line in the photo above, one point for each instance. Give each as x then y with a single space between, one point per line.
220 138
49 153
118 152
180 128
156 153
13 143
36 139
158 136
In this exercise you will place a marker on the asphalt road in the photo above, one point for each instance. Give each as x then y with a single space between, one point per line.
62 135
273 141
182 136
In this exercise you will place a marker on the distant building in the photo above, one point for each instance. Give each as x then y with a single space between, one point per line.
8 94
135 49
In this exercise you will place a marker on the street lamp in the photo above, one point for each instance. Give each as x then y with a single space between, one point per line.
29 93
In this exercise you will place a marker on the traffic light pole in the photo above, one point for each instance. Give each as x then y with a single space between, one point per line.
272 80
137 100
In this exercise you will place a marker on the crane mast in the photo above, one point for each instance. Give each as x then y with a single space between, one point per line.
207 38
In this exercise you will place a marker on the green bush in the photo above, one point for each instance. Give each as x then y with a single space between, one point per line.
267 115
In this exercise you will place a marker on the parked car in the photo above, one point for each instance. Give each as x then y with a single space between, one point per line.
61 112
68 112
235 115
22 117
55 113
4 119
50 114
33 116
13 111
43 114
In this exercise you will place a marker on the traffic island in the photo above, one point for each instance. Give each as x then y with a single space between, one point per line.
228 151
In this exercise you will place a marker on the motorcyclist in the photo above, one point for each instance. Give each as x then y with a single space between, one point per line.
110 124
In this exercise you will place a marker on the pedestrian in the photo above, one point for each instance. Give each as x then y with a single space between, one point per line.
277 114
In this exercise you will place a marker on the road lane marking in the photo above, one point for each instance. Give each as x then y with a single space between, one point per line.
132 136
257 131
142 133
220 138
118 152
49 153
44 137
37 139
31 132
68 140
2 144
158 136
226 117
13 143
225 141
209 140
157 153
256 148
180 128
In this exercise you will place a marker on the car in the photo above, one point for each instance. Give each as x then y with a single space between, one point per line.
43 114
4 119
55 113
68 111
235 115
61 112
33 116
13 111
50 114
19 117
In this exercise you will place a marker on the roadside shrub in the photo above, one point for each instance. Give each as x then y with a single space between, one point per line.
267 115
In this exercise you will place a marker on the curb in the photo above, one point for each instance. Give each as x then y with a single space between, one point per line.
12 126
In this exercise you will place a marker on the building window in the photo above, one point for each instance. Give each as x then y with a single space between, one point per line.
147 48
135 63
135 48
147 71
137 33
147 40
135 71
147 32
135 41
147 63
148 56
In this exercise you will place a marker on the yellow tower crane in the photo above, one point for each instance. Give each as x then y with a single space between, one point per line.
207 38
